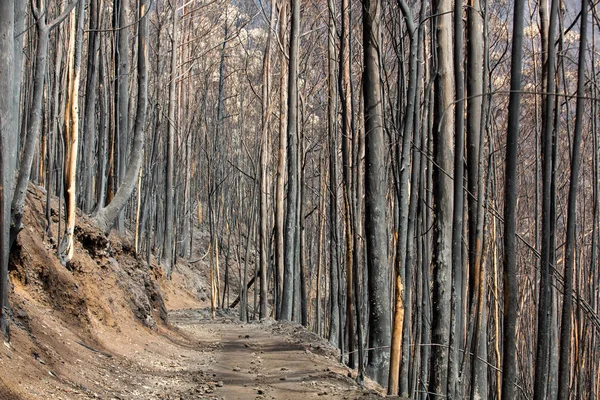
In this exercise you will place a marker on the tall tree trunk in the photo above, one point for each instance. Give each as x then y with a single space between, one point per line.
71 133
281 163
408 374
103 150
334 321
89 119
456 301
8 135
375 192
565 330
348 134
509 338
443 202
106 216
543 318
398 354
291 218
19 29
264 166
475 73
167 255
34 124
121 97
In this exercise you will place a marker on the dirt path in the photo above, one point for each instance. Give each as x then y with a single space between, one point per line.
268 360
199 359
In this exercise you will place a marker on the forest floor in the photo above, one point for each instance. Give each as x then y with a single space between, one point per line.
112 327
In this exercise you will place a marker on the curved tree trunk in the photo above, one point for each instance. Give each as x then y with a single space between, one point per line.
106 217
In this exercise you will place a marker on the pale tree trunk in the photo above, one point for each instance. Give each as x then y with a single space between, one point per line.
443 202
8 135
71 133
375 204
106 216
167 255
264 163
34 124
291 228
509 346
565 330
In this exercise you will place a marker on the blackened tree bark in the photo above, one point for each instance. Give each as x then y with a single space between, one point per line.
375 191
509 339
477 282
334 287
89 118
281 162
106 216
456 320
167 255
401 327
545 283
290 233
564 366
443 201
121 15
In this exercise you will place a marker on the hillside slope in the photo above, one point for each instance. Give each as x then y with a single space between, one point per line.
100 329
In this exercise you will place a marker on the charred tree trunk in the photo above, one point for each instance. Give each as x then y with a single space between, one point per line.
89 119
375 192
565 330
443 201
545 285
509 370
167 255
291 217
106 216
281 162
34 124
